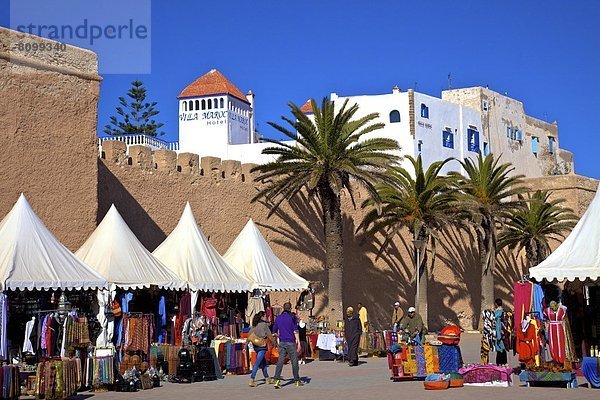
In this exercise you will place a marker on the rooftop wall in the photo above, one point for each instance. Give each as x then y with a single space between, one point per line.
48 143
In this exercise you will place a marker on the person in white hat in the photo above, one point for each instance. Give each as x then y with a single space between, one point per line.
413 326
397 316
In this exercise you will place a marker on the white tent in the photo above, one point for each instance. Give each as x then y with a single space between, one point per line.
578 257
187 252
114 251
32 258
250 254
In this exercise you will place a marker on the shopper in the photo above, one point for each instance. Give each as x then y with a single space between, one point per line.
352 332
363 315
260 330
397 316
501 355
286 327
303 342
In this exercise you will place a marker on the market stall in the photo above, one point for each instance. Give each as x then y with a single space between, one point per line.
31 259
187 252
116 254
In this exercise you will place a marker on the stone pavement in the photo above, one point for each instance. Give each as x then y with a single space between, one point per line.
333 380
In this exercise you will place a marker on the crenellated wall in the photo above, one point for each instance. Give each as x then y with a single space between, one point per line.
150 190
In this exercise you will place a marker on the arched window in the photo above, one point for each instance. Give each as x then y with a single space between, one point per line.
203 104
185 106
209 104
216 103
197 104
191 105
394 116
222 103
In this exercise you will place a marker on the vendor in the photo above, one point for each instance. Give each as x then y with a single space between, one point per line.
364 317
397 316
352 332
413 326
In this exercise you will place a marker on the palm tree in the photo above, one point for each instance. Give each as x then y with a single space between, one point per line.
532 225
421 204
487 194
329 155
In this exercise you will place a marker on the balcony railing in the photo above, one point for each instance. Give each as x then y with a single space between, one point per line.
140 139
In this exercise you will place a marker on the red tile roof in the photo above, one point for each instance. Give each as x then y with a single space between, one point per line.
213 82
307 107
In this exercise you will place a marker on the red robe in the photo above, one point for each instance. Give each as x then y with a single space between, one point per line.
527 344
556 333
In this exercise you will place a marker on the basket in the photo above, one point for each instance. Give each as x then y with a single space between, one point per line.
437 385
456 380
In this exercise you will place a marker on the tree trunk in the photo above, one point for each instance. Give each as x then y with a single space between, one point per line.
487 272
422 309
334 249
531 254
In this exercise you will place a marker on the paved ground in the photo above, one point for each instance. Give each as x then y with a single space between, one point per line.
332 380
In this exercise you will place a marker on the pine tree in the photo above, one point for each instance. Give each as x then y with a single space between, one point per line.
136 115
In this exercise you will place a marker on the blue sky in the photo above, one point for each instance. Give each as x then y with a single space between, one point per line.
545 54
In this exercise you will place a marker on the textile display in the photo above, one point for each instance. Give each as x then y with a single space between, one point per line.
537 305
161 328
103 302
57 379
125 299
449 359
590 367
488 336
420 358
487 373
410 360
184 314
103 371
547 376
556 332
527 343
232 355
523 298
391 338
255 304
326 341
168 353
9 382
3 320
138 332
432 361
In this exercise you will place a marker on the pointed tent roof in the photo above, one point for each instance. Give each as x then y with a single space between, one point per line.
211 83
32 258
114 252
187 252
578 257
250 254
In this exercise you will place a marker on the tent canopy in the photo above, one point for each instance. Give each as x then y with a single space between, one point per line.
32 258
187 252
251 255
114 252
578 257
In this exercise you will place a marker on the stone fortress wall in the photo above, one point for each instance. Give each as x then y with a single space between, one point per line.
48 150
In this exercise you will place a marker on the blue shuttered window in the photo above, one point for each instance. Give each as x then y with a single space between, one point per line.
394 116
448 139
473 140
534 145
551 144
424 111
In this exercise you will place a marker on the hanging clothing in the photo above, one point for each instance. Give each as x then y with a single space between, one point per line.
161 329
488 336
527 344
125 299
255 304
556 332
27 344
3 320
538 300
184 313
523 299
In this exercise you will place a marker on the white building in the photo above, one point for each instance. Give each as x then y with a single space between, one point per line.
217 119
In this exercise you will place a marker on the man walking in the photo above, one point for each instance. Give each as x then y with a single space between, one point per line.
286 327
352 332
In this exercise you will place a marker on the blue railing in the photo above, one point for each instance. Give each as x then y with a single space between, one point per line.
142 140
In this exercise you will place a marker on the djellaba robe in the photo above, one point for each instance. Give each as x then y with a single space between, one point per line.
353 332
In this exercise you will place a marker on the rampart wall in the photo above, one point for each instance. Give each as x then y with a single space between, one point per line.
48 142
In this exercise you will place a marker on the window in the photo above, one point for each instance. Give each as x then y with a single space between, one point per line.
484 105
551 143
209 104
486 148
448 138
424 111
473 140
191 105
185 106
535 142
216 103
394 116
419 146
197 104
203 104
222 103
519 135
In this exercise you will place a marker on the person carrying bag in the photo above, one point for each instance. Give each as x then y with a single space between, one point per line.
258 336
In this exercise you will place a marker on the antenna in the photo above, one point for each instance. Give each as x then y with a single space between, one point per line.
449 80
